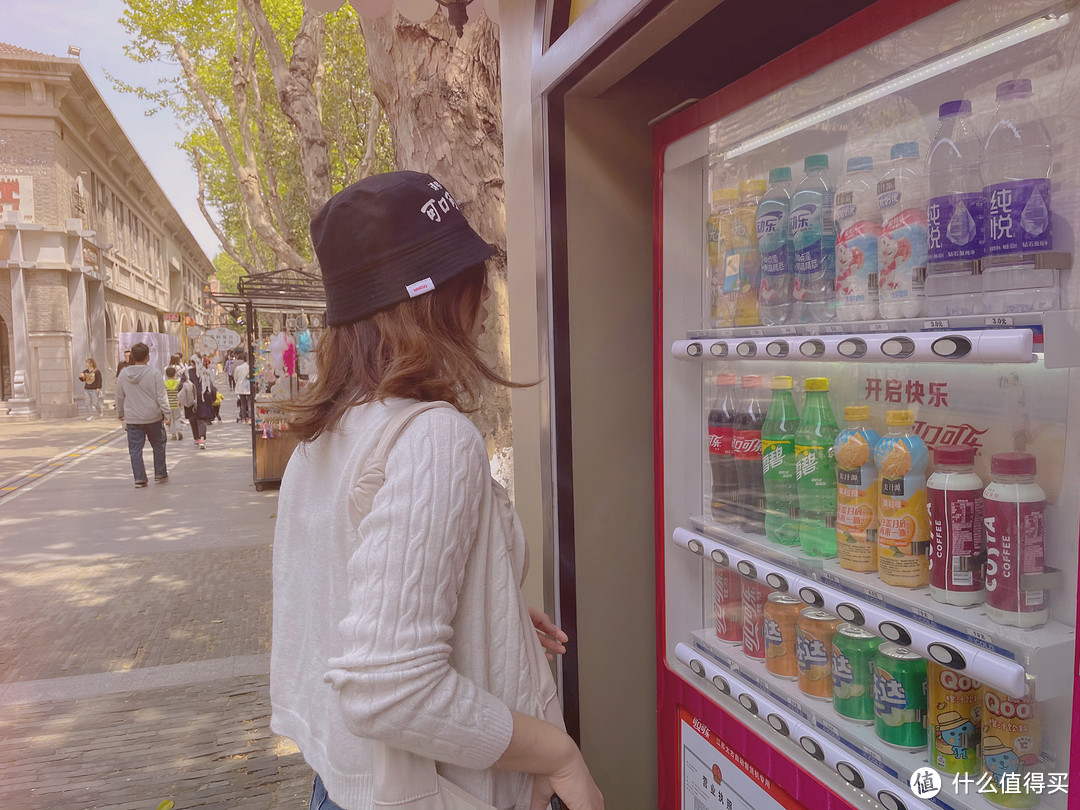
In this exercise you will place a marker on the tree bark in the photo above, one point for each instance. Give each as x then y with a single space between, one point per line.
295 83
247 172
442 99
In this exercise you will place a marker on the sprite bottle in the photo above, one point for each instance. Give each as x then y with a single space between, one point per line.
778 465
815 471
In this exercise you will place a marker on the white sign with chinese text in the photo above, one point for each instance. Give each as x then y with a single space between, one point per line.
716 777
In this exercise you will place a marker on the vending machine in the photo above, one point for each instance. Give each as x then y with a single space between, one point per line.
868 420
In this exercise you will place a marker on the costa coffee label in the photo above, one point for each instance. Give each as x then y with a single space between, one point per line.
746 445
720 440
1015 543
956 539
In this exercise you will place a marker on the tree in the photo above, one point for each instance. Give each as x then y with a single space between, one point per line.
280 110
443 101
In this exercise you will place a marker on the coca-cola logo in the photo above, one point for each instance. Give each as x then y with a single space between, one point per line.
1007 708
956 682
747 446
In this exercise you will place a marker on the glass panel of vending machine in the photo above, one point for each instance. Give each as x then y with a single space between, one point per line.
871 410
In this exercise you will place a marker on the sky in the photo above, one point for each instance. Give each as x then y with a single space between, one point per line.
50 26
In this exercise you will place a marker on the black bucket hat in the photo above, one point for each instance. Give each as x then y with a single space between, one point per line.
388 238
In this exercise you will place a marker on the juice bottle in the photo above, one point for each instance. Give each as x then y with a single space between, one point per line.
778 465
723 274
815 471
746 245
903 530
856 491
858 227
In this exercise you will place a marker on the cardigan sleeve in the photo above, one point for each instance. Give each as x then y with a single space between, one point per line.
394 678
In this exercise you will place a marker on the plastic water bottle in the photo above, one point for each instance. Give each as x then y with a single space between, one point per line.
813 238
746 243
774 246
1017 161
858 226
955 213
815 471
901 198
722 284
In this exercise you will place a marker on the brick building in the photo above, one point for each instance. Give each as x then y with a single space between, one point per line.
89 244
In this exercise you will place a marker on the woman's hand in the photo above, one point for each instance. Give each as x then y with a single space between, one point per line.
575 786
551 637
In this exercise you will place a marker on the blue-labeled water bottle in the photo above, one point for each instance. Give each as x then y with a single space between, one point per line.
774 248
813 238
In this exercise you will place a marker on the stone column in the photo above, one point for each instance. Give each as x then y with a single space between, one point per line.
21 403
80 329
95 296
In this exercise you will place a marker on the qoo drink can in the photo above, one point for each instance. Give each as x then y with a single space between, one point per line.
814 631
727 603
853 653
900 697
754 596
954 705
1011 741
781 612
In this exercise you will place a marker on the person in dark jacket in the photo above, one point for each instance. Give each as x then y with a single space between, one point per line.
202 412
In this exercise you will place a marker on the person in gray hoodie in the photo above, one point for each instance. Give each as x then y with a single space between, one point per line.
143 405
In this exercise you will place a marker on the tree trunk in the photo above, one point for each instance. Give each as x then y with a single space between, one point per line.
442 99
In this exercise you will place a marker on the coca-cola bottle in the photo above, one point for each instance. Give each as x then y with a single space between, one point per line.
725 482
747 448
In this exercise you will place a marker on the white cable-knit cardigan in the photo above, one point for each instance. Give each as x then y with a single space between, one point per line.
412 629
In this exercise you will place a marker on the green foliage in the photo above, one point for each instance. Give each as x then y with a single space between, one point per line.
228 273
218 41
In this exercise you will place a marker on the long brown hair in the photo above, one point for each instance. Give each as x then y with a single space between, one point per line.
418 349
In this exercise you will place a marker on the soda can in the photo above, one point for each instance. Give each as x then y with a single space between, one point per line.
781 612
814 631
727 603
1011 741
754 596
853 652
900 697
954 706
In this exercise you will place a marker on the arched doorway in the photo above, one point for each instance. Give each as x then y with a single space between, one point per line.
5 362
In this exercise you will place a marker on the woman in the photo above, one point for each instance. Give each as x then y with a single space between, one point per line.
91 379
403 628
202 412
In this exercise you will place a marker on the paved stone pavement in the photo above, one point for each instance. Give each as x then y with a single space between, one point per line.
136 629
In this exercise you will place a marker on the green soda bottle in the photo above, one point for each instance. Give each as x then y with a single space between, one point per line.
778 465
815 471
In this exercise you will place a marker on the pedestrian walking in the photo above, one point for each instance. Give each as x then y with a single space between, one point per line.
241 378
230 364
91 379
123 363
397 559
172 391
202 392
143 406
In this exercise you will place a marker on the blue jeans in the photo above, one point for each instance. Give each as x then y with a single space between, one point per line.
137 436
320 800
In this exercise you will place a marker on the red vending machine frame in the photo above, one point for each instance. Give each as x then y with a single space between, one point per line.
675 697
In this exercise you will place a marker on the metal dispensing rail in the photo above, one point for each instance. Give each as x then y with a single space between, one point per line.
282 293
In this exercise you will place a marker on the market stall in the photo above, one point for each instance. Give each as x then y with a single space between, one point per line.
284 314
